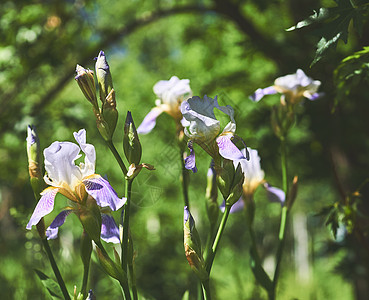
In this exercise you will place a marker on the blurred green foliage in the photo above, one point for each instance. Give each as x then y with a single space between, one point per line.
226 48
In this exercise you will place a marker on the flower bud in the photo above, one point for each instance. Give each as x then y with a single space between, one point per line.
90 218
86 82
192 245
236 187
103 128
131 143
103 76
109 112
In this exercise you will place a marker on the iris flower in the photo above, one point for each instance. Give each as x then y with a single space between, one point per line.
254 176
202 127
170 95
293 86
76 182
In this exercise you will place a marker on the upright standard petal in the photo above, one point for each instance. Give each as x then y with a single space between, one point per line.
44 206
109 229
173 90
52 230
101 190
190 161
90 154
149 121
204 127
59 164
227 149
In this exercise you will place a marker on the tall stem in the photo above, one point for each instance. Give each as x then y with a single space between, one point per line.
206 289
86 249
284 215
55 268
210 258
126 213
117 157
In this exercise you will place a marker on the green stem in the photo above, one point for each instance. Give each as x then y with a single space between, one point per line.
117 157
210 258
86 249
124 283
185 180
206 289
133 281
55 268
284 215
128 191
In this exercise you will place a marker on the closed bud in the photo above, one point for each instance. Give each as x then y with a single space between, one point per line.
236 187
86 82
90 218
33 153
192 245
103 76
131 143
225 174
109 112
103 128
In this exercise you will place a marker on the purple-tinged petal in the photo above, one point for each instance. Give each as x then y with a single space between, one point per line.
149 121
314 96
109 229
190 161
238 206
52 230
44 206
275 194
227 149
101 190
260 93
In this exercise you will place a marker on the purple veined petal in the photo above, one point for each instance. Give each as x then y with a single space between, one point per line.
190 162
149 121
52 230
238 206
227 149
260 93
275 194
44 206
109 229
101 190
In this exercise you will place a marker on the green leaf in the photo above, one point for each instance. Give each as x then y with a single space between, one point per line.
51 286
333 24
259 273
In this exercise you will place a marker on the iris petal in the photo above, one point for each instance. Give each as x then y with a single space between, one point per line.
190 162
88 150
238 206
260 93
109 229
227 149
44 206
149 121
52 230
101 190
275 194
